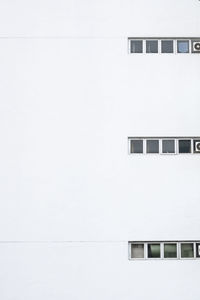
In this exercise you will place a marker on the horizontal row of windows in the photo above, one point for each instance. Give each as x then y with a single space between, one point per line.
164 145
164 250
150 45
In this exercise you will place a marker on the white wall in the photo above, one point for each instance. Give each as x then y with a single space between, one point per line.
70 97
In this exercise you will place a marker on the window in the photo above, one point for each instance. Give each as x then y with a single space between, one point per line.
167 46
184 146
151 46
198 249
164 45
183 46
160 250
196 146
170 250
137 146
136 46
187 250
164 145
195 46
153 250
168 146
152 146
137 250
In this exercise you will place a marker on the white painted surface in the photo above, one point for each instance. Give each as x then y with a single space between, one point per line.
67 107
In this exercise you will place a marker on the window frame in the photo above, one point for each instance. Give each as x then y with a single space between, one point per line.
160 140
153 139
194 250
175 40
191 146
175 146
162 243
137 258
151 40
177 251
137 39
189 46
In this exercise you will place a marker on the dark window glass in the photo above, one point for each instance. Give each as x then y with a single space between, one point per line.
170 251
137 250
136 46
168 146
151 46
152 146
183 46
154 250
137 146
167 46
198 249
184 146
187 250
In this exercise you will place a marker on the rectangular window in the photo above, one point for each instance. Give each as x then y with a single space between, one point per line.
184 146
167 46
152 146
136 146
170 250
151 46
187 250
153 250
198 249
182 46
137 251
168 146
196 146
164 250
196 46
136 46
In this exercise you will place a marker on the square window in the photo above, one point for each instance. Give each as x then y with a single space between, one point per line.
184 146
153 250
136 146
151 46
187 250
152 146
137 250
197 146
136 46
168 146
167 46
170 251
196 46
198 249
183 46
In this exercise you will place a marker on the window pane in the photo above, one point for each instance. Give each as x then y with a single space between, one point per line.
187 250
168 146
198 249
152 46
152 146
153 250
136 46
170 251
183 46
137 146
184 146
137 250
167 46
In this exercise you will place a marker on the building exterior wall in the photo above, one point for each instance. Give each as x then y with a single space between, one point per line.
71 196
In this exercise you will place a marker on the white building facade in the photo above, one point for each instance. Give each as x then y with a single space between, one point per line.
72 195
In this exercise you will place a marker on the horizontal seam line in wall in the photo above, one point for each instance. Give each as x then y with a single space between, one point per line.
60 242
60 37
